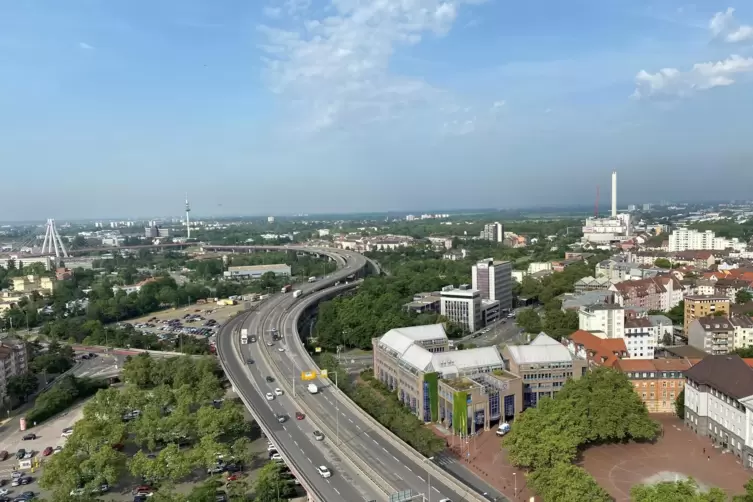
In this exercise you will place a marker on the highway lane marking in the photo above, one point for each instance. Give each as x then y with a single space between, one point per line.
435 489
396 460
375 442
411 470
422 479
338 491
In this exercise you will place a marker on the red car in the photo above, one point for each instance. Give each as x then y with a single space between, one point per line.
299 415
47 451
232 477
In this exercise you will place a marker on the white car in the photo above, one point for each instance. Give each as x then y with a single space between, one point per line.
66 434
4 491
270 396
276 457
278 392
271 447
318 436
280 349
324 471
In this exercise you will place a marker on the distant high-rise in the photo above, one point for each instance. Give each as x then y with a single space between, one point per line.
494 232
270 219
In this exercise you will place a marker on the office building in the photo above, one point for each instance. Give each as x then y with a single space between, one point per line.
256 271
657 382
640 337
719 403
703 305
462 306
544 365
712 334
494 280
494 232
465 390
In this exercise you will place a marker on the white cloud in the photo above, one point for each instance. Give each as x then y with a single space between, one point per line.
673 82
339 63
273 12
723 25
84 45
497 105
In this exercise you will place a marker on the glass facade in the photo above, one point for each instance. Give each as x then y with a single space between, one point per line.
494 406
509 407
427 403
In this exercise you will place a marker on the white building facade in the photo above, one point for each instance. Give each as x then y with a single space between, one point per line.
462 306
603 320
684 239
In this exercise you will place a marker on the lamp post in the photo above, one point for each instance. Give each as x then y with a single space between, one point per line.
428 479
515 483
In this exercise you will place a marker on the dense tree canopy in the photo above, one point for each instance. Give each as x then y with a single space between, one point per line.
676 491
565 482
179 421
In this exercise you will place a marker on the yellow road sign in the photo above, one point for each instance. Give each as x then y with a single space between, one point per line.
318 349
308 375
323 373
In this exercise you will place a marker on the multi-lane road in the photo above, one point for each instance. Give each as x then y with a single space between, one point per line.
377 465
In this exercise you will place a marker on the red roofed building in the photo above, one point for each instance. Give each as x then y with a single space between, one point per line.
662 292
597 351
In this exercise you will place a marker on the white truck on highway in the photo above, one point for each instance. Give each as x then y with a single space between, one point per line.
297 293
313 389
244 336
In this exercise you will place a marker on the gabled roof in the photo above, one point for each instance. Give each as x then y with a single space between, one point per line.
728 374
602 351
399 339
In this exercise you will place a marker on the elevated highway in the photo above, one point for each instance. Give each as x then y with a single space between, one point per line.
374 455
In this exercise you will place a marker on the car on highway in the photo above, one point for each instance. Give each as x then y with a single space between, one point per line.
281 418
278 391
67 432
269 344
270 379
249 361
299 415
324 471
269 396
318 436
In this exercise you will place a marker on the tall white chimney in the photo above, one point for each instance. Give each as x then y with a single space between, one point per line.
614 194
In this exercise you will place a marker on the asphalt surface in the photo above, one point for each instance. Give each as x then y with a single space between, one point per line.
294 438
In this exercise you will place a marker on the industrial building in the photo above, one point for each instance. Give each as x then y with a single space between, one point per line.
615 228
256 271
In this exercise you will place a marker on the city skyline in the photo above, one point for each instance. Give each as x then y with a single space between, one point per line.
347 107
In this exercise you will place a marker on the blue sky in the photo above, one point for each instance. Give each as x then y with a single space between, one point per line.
119 107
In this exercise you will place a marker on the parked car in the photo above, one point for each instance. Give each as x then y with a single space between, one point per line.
47 451
29 437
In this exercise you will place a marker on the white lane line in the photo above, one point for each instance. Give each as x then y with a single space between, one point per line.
351 421
309 460
435 489
422 479
296 442
411 470
396 460
338 491
384 449
375 441
358 427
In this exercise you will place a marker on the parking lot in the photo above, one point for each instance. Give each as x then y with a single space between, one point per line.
197 320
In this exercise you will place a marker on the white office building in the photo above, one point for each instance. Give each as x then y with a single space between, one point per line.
641 337
494 280
462 306
684 239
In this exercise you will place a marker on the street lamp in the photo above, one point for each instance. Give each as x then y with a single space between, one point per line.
515 481
428 479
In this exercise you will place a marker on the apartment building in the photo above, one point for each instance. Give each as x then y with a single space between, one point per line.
14 360
654 293
640 337
684 239
730 287
604 320
719 403
544 365
743 331
699 259
595 350
712 334
493 279
462 305
658 382
30 283
592 284
438 384
494 232
704 305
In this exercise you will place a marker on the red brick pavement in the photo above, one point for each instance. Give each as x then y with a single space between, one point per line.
616 467
619 467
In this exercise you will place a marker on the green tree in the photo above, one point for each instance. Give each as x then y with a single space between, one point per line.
529 320
743 296
676 491
748 495
680 405
20 387
270 485
663 263
565 482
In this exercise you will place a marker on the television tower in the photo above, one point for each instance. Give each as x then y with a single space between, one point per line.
53 242
188 220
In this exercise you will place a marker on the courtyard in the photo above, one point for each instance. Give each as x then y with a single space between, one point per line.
679 453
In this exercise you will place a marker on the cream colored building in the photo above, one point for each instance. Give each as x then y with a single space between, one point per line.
30 283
